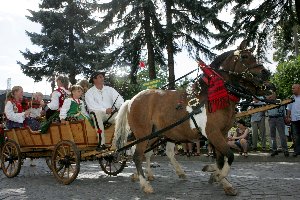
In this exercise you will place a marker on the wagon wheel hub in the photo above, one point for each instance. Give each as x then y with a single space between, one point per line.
66 161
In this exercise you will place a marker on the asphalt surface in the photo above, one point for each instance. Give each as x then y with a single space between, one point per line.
257 177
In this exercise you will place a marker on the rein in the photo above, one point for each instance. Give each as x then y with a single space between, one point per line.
159 132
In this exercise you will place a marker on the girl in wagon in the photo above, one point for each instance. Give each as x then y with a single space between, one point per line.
17 116
73 108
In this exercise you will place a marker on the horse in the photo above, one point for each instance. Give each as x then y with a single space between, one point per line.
185 116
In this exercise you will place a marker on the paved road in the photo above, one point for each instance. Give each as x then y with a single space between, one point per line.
254 180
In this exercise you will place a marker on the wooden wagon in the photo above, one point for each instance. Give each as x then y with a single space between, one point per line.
63 146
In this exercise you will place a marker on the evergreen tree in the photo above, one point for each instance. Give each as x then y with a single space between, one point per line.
256 21
285 47
67 47
157 25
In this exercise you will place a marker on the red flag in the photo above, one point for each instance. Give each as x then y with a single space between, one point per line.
142 64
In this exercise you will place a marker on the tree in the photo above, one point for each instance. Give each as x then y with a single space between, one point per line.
286 47
258 23
67 45
287 74
157 25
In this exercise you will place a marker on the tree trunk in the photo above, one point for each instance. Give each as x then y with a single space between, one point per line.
149 42
297 5
295 34
170 46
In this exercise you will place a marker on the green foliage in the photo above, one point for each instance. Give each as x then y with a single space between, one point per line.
258 23
283 44
287 74
129 90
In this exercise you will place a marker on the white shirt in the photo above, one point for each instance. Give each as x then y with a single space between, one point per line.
100 100
35 112
11 115
54 103
66 107
295 108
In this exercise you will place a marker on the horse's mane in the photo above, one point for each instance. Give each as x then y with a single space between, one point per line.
219 59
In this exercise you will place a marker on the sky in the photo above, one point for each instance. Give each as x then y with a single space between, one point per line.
13 39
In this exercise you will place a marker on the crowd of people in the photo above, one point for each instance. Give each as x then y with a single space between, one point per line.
93 96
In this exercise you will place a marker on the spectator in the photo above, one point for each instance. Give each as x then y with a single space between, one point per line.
293 117
276 121
258 124
240 140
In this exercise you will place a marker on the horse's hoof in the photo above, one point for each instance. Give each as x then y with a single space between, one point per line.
212 179
230 191
183 176
134 177
148 190
151 178
208 168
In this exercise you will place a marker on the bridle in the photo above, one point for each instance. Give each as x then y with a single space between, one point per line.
245 74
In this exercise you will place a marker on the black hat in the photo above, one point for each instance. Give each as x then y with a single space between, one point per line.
95 74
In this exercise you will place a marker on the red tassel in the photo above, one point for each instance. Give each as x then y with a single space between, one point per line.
99 131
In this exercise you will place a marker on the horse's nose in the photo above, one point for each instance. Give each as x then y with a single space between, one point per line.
265 74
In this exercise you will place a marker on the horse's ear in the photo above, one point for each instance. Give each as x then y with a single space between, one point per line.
252 48
243 45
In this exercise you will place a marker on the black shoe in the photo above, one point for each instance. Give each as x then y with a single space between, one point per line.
296 154
274 153
286 154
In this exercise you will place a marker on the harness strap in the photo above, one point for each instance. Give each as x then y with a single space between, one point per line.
159 132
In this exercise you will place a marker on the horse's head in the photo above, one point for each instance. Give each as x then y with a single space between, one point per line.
240 69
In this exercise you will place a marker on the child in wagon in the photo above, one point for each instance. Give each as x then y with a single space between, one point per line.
73 108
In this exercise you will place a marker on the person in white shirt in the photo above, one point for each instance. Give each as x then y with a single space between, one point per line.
104 101
16 112
58 96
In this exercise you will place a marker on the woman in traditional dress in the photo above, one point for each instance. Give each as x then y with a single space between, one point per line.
16 113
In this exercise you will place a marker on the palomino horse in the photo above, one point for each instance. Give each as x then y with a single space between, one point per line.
209 112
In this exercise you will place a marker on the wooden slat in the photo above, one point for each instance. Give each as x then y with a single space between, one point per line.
263 108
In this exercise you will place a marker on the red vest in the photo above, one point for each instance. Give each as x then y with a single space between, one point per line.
62 96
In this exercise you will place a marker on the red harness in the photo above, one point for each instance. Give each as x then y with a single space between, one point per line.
218 96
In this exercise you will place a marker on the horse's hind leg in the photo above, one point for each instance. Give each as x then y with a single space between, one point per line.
171 155
149 172
137 159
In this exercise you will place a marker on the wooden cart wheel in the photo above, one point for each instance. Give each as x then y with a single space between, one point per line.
11 159
113 164
65 162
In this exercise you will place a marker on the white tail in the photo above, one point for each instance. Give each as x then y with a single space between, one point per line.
122 128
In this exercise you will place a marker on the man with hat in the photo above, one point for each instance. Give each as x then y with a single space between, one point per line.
103 101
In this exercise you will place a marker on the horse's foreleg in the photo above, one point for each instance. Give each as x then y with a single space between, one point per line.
137 159
224 160
171 155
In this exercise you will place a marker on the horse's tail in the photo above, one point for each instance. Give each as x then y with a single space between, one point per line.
122 128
